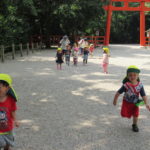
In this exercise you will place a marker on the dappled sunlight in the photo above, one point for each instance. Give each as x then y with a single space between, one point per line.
95 145
34 94
26 121
73 108
143 117
84 123
42 73
36 59
96 99
35 128
44 100
77 93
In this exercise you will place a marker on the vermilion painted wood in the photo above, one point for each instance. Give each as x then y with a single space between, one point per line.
141 8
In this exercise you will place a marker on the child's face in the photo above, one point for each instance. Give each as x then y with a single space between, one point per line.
3 90
68 47
133 77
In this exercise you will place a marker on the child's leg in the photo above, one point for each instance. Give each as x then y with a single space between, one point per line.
106 68
7 148
134 125
60 67
57 67
86 61
135 120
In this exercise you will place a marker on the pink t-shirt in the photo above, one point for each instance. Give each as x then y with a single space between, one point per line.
105 58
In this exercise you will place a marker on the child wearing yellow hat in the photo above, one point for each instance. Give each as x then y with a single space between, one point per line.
105 60
59 58
8 109
132 87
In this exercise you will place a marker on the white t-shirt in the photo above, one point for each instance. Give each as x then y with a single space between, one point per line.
64 43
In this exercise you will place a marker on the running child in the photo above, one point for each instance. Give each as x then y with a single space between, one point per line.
75 54
105 60
59 58
68 54
132 88
8 108
91 48
85 55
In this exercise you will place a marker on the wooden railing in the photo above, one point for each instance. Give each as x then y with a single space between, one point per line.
20 48
147 41
55 39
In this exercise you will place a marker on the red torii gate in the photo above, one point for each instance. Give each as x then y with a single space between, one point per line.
141 8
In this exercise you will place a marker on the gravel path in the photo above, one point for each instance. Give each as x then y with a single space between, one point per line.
72 109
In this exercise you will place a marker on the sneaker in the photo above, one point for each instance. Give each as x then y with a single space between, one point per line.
135 128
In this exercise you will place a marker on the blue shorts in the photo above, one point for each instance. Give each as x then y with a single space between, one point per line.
7 139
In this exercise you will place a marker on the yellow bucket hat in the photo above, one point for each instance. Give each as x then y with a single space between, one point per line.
7 78
59 49
133 68
106 49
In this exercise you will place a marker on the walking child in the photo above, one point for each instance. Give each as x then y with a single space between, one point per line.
91 48
132 88
105 60
59 58
85 55
8 108
67 54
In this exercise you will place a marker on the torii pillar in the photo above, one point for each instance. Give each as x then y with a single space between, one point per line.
142 8
142 25
108 25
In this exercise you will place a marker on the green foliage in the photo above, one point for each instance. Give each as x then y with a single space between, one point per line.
20 20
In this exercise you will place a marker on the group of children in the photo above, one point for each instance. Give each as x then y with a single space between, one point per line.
131 87
74 51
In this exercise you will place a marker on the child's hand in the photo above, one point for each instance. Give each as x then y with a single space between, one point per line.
17 124
114 102
148 107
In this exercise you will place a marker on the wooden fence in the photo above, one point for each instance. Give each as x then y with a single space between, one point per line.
55 39
20 48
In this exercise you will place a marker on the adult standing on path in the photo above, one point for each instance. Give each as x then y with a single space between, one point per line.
64 42
82 44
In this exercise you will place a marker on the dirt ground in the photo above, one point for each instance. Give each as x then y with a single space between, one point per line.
72 109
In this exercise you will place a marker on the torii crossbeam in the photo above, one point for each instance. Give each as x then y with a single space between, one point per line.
126 7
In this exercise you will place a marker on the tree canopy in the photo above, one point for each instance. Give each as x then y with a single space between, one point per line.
20 20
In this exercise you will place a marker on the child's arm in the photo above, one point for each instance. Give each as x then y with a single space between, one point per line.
120 91
143 95
116 98
15 120
146 102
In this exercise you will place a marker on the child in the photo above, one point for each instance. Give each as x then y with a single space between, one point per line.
8 109
85 55
132 87
59 59
75 54
91 48
105 60
67 54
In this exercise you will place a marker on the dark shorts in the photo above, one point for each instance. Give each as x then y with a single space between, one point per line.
129 110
